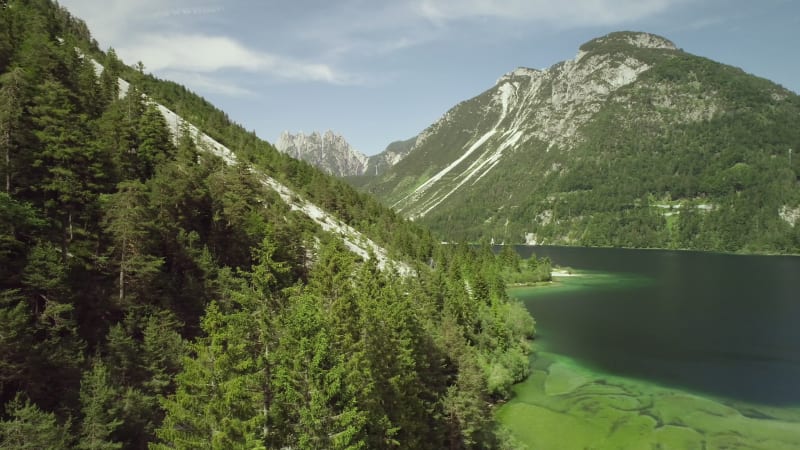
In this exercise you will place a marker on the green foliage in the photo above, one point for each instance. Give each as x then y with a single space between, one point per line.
218 400
97 405
28 427
533 270
692 154
162 298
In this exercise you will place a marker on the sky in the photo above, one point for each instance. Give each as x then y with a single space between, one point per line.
381 71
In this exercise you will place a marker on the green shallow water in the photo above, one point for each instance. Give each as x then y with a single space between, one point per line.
567 404
564 405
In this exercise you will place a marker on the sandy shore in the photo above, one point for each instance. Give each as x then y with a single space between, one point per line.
563 273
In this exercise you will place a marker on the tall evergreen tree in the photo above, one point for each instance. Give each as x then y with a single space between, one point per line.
98 405
11 110
219 397
65 163
155 142
30 428
128 220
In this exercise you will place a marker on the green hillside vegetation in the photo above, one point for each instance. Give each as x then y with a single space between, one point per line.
693 154
517 272
439 150
152 296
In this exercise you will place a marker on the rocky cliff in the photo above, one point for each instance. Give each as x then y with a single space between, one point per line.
632 142
327 151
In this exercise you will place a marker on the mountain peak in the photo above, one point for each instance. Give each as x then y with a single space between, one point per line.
636 39
328 151
520 72
632 139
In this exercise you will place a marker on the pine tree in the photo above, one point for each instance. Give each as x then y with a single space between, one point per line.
87 85
57 354
6 44
124 355
16 339
128 221
18 223
109 77
30 428
64 160
11 110
98 405
219 397
465 407
326 358
155 142
300 412
162 352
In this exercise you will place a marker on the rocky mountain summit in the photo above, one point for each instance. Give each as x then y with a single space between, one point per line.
620 145
327 151
331 153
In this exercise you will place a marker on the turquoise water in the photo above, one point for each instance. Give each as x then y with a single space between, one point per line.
659 349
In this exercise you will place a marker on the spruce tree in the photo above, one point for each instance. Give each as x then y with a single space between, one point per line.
98 405
155 142
219 396
66 164
30 428
12 86
129 221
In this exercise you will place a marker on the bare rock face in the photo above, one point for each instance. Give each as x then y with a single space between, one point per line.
550 105
393 154
629 125
328 151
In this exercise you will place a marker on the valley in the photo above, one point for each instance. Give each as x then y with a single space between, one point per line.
171 280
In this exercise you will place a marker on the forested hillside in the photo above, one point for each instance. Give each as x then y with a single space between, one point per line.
154 296
633 143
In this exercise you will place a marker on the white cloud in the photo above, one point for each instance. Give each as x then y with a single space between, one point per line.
316 40
359 29
196 11
113 20
560 14
204 54
136 31
194 52
208 84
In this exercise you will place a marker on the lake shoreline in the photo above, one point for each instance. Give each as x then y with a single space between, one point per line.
557 273
590 389
663 249
565 404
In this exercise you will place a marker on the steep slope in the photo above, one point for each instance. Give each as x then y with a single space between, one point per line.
631 143
328 151
383 161
354 240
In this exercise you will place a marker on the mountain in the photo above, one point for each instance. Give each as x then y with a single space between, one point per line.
332 154
383 161
329 152
170 280
632 143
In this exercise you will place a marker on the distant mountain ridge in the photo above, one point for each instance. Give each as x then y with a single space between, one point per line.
633 143
327 151
393 154
331 153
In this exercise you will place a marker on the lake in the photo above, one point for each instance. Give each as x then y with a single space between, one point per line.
651 348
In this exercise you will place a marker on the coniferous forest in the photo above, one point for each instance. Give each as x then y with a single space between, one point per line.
153 296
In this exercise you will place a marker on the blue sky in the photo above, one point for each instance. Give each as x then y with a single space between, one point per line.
379 71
